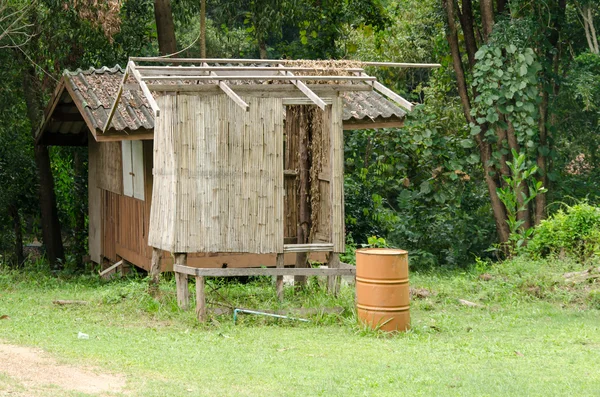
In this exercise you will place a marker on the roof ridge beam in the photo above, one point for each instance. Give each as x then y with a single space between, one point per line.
230 93
307 91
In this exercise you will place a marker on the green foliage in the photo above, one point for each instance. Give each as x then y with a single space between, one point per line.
416 186
377 242
573 231
520 188
505 77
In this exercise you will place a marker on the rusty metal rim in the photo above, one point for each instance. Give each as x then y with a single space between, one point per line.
383 309
381 251
380 281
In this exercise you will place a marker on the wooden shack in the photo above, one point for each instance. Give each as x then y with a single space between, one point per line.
235 162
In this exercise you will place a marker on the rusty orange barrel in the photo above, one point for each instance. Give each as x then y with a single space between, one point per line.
382 292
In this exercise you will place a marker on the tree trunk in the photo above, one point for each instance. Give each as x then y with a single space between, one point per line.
165 27
51 232
16 218
81 196
203 29
466 22
484 148
262 48
553 56
500 6
487 17
50 223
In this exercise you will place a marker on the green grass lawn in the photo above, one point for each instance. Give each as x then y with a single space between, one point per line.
534 336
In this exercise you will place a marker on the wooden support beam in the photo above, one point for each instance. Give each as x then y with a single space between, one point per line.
200 299
181 281
403 65
255 89
154 271
316 247
260 271
392 95
307 91
254 77
389 93
231 94
279 281
188 70
333 282
144 87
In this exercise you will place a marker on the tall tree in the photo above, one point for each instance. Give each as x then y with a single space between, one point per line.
165 27
510 66
203 29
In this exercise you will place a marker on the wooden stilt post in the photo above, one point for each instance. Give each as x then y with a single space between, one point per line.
279 282
154 272
200 299
333 282
181 281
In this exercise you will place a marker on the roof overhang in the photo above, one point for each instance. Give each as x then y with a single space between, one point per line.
113 105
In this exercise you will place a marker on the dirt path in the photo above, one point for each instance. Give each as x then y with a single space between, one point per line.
26 372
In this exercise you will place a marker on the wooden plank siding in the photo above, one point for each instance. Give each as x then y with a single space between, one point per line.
94 202
246 216
110 167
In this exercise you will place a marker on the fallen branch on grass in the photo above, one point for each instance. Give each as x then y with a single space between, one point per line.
62 302
583 276
469 303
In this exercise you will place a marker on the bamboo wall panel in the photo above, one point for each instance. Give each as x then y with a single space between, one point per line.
94 202
337 174
218 175
110 167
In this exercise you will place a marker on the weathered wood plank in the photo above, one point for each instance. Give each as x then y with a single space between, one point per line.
154 271
241 271
280 90
255 77
200 299
181 281
94 202
110 268
183 70
317 247
279 280
307 91
333 281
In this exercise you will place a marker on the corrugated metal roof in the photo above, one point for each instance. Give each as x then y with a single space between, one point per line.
94 90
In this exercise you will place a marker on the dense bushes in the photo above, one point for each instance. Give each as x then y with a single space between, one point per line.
572 231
